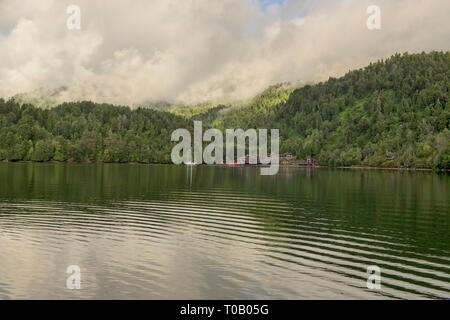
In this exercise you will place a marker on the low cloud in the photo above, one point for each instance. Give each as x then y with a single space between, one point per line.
201 50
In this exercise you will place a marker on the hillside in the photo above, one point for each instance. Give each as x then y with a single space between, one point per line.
86 132
393 113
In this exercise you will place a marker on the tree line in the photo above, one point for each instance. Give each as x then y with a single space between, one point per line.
86 132
393 113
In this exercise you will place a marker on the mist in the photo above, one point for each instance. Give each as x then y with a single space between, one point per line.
197 51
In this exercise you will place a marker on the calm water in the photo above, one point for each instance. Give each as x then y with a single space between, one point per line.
156 232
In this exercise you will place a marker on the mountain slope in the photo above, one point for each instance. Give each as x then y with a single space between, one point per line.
86 131
391 113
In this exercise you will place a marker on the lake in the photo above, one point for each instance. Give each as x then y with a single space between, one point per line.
176 232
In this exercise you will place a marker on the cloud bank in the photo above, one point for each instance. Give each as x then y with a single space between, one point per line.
192 51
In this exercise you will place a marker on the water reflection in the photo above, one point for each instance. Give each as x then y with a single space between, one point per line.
217 232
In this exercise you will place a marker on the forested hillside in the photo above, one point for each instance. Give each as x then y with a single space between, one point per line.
393 113
85 131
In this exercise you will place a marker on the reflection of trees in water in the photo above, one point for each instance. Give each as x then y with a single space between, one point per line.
388 201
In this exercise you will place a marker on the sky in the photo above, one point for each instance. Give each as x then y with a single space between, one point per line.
196 51
267 3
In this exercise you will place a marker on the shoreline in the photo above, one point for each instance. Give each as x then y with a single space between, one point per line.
224 165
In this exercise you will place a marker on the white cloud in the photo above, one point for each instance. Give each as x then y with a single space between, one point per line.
199 50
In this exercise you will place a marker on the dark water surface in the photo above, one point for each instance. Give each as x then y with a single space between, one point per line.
176 232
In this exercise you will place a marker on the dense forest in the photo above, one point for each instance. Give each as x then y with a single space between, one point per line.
393 113
86 132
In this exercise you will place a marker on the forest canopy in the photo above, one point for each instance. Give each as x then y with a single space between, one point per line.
86 132
393 113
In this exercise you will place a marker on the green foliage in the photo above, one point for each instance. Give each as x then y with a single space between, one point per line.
205 112
393 113
86 132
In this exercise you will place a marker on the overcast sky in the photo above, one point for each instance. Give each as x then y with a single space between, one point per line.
129 52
